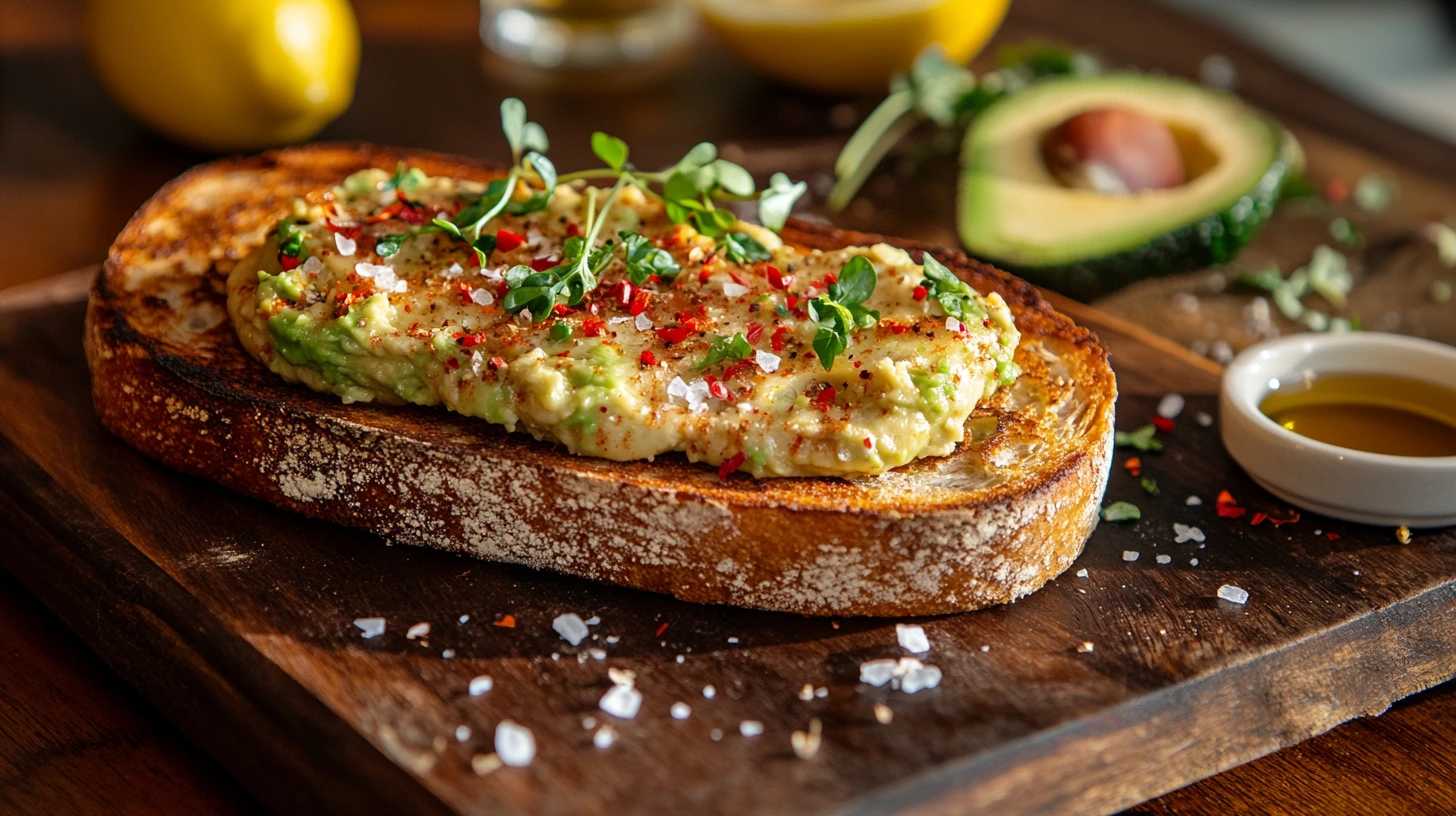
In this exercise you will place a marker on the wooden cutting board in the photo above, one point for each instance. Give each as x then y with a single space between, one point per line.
236 620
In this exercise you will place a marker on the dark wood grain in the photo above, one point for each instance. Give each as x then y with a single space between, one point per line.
235 618
67 152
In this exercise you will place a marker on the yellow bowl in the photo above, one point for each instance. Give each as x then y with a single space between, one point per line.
849 45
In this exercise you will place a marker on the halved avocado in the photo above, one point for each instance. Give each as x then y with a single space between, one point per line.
1084 243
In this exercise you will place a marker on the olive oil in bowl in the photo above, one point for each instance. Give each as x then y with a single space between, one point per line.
1376 413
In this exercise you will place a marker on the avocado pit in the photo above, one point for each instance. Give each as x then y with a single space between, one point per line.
1114 150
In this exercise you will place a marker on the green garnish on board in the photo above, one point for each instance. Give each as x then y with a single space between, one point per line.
1143 439
1121 511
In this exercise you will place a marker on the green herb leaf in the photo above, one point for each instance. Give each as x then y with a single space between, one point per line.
1121 511
1329 275
513 122
701 154
840 312
856 282
611 150
1343 231
733 178
560 331
533 138
956 297
777 201
545 169
741 248
1150 486
1374 193
829 344
736 347
387 246
644 260
1143 439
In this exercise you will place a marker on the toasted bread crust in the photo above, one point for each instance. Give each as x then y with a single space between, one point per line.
996 520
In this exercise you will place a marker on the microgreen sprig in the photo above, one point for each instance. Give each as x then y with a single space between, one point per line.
691 191
955 296
841 311
944 93
732 348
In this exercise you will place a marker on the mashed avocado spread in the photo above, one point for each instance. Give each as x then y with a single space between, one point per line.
712 351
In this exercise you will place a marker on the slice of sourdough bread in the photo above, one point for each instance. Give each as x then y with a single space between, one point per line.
1009 510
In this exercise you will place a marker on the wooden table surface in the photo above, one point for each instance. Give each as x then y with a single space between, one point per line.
73 168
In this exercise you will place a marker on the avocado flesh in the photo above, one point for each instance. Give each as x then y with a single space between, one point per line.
1083 243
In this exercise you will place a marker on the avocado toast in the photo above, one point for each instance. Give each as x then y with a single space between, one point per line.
1009 508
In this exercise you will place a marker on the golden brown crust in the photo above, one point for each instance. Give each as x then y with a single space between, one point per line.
1008 511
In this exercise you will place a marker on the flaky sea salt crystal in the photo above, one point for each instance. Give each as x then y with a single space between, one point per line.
734 289
750 728
1193 562
480 685
514 744
1086 646
346 246
364 269
1184 532
452 271
1082 573
604 737
571 628
709 692
612 321
462 733
593 620
1193 501
912 638
419 630
1203 418
681 711
1171 405
642 322
677 388
954 325
311 266
1164 559
877 672
621 701
920 677
1233 594
1130 555
767 360
481 297
370 627
494 274
464 618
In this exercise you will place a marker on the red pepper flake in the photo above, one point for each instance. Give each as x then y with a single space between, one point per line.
1163 424
621 292
384 214
1228 507
350 231
739 368
777 340
544 263
825 397
660 630
464 289
755 331
593 327
573 230
830 278
724 472
1134 466
561 310
1257 519
452 364
507 622
919 293
505 240
717 388
777 279
412 214
648 358
496 363
672 334
869 443
1336 191
1280 518
471 340
1333 536
704 275
639 302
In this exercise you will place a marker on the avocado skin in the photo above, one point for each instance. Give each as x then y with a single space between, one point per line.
1214 239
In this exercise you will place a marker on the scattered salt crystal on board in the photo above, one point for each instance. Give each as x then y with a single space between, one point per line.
1170 406
604 737
1193 501
920 677
1082 573
419 630
570 627
912 638
750 728
514 744
1233 594
480 685
462 733
370 627
681 711
1085 646
1164 559
1130 555
621 701
883 714
877 672
1203 418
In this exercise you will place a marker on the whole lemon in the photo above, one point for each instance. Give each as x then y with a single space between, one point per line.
227 74
849 45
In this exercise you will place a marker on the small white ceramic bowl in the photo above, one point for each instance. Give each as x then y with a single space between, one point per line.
1373 488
